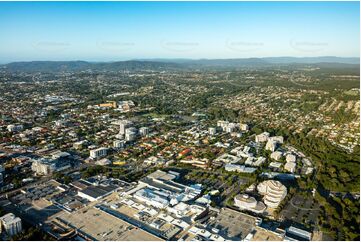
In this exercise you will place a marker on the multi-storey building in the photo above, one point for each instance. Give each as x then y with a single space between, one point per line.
11 224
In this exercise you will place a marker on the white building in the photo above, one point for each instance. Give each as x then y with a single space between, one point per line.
229 129
123 125
244 127
80 144
60 122
153 160
118 144
290 158
278 139
97 153
276 165
271 145
103 162
150 197
273 192
290 167
276 155
222 123
251 161
130 134
212 131
45 166
246 202
239 168
226 126
14 127
144 131
11 224
228 159
293 234
260 160
262 137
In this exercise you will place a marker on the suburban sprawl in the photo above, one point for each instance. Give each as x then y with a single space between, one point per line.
145 150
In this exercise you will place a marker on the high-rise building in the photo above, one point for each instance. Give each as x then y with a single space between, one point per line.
130 134
11 224
123 125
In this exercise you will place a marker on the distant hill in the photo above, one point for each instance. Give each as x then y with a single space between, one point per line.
169 64
73 66
262 61
313 60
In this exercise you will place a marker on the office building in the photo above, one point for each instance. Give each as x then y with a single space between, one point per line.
246 202
123 125
11 224
130 134
119 144
97 153
44 166
273 192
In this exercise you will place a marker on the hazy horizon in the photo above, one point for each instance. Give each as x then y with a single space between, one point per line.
178 59
118 31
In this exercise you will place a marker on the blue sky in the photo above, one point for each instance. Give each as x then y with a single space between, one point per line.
109 31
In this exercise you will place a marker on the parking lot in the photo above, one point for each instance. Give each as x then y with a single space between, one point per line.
301 210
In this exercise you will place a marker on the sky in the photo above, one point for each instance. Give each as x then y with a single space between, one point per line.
113 31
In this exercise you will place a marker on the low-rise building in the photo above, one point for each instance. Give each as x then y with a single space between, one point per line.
212 131
262 137
290 158
278 139
271 145
144 131
239 168
246 202
243 127
276 155
290 167
97 153
296 234
80 144
14 127
44 166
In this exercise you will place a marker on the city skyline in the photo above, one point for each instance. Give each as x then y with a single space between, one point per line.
115 31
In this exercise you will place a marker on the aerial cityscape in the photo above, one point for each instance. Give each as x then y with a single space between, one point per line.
154 121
